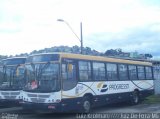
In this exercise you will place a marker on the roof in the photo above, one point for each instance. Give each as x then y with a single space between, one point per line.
13 61
97 58
14 58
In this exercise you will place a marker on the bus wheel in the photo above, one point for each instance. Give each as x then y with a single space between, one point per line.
86 105
135 98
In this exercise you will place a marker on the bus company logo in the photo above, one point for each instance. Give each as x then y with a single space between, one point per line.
78 89
102 87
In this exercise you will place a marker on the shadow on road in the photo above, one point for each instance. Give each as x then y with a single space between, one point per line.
36 115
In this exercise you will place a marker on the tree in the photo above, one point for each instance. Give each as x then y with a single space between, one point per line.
111 52
148 56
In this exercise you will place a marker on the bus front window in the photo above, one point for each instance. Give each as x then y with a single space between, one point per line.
10 79
42 77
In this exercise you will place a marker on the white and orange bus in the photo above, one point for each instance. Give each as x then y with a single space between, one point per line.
12 80
68 82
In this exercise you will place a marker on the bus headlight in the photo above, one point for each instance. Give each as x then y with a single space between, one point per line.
58 100
25 99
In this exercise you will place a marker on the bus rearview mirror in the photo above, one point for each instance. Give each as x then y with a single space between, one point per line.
17 72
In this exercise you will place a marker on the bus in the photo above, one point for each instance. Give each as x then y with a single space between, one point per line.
60 82
12 80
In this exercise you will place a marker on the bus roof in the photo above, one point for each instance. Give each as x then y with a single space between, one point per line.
13 61
98 58
14 58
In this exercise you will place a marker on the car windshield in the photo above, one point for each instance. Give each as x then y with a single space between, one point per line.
43 77
12 77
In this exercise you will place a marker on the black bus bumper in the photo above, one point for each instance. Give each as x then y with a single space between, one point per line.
9 102
41 107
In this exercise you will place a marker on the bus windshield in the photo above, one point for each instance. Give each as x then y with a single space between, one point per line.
42 77
12 77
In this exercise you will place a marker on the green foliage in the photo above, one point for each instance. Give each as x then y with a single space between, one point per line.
152 99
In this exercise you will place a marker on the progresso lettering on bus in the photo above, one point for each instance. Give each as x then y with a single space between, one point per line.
104 87
118 86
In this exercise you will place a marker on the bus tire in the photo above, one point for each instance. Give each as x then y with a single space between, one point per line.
86 104
135 98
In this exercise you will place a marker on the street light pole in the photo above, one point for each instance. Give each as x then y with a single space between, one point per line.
81 38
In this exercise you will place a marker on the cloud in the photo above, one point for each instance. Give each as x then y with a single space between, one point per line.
27 25
152 3
143 40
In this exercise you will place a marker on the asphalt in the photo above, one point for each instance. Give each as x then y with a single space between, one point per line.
116 111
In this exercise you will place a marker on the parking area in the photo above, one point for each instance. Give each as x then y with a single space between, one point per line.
125 108
123 111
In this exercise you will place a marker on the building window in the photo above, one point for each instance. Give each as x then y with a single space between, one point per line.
98 71
141 74
123 74
112 71
132 72
148 72
84 71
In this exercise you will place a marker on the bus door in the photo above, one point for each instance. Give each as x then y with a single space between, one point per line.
69 82
69 75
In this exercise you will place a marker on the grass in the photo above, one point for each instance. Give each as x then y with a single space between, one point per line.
153 99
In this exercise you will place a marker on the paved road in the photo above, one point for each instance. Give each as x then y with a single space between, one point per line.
18 113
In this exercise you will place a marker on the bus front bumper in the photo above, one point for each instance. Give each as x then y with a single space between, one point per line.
42 107
5 102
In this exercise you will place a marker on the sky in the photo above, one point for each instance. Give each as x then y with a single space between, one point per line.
132 25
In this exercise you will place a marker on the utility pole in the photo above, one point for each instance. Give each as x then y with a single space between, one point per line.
81 34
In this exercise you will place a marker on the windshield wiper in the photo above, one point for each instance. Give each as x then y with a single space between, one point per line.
16 82
34 70
33 66
13 73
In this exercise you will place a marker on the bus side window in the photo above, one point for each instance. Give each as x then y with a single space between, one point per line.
123 74
69 78
141 73
84 70
132 72
148 72
1 75
99 71
112 71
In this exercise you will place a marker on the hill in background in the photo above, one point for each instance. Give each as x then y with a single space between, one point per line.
87 51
